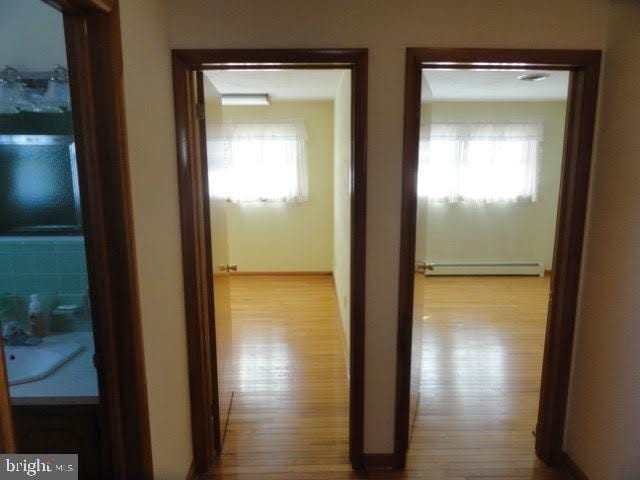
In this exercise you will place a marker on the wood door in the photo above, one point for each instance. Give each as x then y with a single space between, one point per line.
421 256
7 433
221 341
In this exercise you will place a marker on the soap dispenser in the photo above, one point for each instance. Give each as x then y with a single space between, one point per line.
37 326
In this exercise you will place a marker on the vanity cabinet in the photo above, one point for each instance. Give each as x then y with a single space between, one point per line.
63 429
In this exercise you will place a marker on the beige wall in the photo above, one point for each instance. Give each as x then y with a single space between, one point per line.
607 327
603 422
502 232
342 202
150 128
386 29
271 237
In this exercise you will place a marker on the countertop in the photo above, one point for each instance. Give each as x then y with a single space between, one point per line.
74 383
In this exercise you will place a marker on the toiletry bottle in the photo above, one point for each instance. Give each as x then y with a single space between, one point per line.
37 327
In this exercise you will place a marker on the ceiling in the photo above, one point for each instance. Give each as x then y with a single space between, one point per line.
445 85
503 85
279 84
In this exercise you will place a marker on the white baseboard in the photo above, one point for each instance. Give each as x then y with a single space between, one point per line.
515 268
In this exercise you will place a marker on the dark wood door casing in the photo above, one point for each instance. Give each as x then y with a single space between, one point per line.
200 313
94 53
584 66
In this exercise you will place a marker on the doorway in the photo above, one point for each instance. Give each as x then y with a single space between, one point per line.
250 247
478 173
75 257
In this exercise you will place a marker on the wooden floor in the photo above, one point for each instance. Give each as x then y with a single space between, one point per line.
482 358
483 340
289 416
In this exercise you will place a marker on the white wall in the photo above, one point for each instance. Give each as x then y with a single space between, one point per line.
386 28
288 237
501 232
603 421
35 46
153 165
342 202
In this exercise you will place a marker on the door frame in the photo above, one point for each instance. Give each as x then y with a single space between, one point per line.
584 66
94 55
7 431
194 198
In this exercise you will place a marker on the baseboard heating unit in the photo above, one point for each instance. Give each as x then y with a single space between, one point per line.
461 269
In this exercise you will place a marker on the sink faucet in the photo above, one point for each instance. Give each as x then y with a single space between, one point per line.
12 334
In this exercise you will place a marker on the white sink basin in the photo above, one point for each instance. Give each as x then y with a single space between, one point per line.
28 364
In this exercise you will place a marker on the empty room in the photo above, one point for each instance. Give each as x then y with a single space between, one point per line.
279 162
488 183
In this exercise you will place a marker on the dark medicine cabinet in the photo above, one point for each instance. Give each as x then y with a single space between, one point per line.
39 192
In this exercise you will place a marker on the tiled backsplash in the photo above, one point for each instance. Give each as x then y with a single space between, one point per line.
53 267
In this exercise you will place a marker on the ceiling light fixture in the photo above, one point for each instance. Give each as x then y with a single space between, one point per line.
245 99
533 77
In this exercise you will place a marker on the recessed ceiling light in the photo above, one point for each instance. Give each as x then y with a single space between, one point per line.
245 99
533 77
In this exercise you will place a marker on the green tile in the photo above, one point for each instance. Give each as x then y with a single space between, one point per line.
25 284
70 262
6 284
22 263
74 244
83 264
72 284
6 264
38 246
10 246
47 284
45 263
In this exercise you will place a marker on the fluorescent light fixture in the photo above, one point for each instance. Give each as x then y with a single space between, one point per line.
533 77
245 99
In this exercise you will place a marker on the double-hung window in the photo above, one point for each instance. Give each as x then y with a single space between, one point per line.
260 162
480 162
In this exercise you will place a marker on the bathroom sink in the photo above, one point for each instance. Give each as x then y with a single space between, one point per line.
28 364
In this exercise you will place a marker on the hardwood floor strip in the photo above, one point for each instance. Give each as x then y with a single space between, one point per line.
483 341
289 414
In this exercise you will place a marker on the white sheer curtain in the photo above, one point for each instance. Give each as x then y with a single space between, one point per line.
480 162
259 162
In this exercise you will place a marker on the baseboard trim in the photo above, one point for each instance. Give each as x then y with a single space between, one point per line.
343 336
382 461
283 273
192 474
574 470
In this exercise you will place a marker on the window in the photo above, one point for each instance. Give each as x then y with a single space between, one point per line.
480 162
260 162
